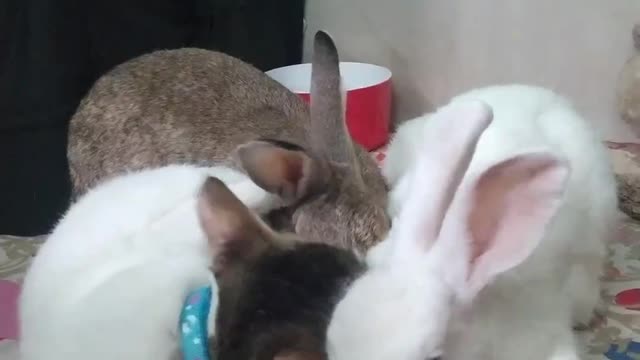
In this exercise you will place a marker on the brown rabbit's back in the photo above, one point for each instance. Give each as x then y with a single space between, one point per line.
167 106
202 107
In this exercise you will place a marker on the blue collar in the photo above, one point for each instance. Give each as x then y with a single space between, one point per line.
194 320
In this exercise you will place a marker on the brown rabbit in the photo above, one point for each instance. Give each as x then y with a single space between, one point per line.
202 107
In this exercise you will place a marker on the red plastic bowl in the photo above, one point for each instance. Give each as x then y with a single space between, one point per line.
629 299
368 97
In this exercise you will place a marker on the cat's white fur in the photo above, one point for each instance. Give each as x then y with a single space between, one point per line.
122 260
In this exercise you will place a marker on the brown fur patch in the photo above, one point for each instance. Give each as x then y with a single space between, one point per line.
197 106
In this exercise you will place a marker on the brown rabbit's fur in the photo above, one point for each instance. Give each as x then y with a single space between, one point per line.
197 106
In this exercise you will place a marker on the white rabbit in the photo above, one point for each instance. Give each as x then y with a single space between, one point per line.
525 118
504 269
110 281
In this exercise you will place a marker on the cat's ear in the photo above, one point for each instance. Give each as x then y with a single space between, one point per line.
235 234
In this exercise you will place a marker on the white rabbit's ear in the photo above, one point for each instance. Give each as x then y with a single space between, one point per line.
449 145
499 217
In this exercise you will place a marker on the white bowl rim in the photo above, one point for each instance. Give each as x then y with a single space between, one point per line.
355 75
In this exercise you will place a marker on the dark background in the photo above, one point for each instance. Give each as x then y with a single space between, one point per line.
51 51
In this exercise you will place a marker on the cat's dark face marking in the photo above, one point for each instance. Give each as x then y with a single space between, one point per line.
276 293
282 302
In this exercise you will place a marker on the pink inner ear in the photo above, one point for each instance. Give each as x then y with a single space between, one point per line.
498 242
512 204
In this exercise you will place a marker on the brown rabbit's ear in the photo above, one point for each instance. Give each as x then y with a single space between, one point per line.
234 233
328 129
283 168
